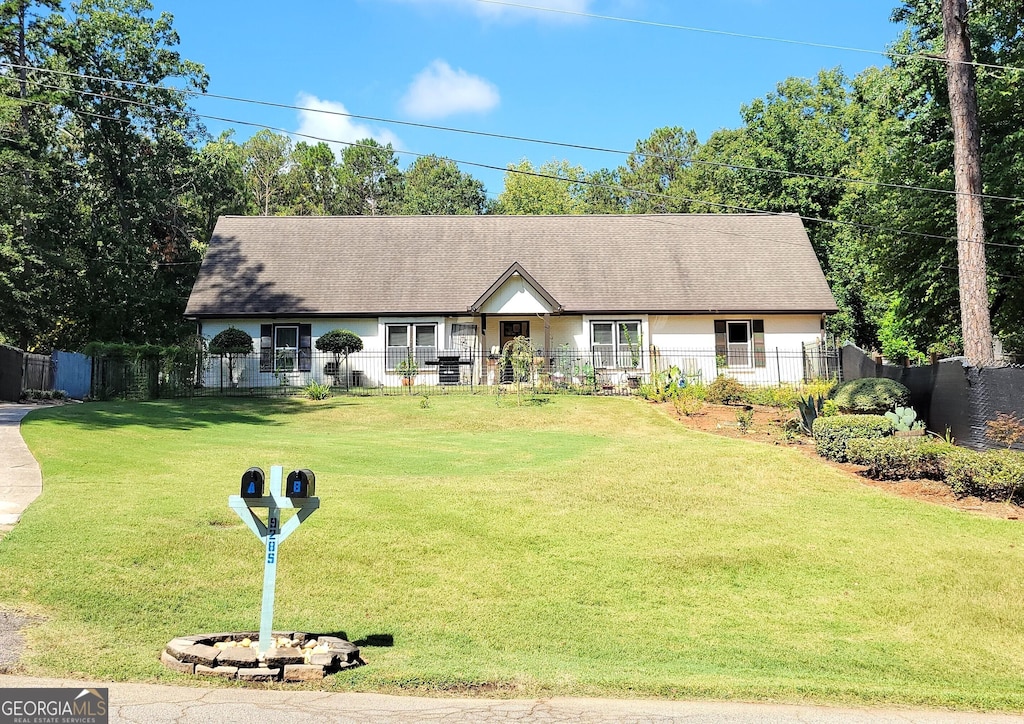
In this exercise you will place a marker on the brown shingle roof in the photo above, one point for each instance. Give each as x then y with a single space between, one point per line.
369 265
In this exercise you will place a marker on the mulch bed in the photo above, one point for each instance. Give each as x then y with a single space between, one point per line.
767 428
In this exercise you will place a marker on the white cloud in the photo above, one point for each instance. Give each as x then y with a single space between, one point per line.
495 11
439 90
335 127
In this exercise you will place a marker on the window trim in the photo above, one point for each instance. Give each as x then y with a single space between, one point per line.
618 350
755 344
419 353
269 355
746 348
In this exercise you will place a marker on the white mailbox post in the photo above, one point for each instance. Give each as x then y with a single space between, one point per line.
299 496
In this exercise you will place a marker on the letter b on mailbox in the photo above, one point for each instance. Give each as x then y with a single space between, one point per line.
252 483
301 484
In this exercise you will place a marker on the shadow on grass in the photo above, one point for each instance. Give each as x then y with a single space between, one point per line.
179 414
378 640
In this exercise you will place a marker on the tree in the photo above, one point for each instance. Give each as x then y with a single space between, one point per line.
970 214
551 189
435 185
231 342
369 179
266 160
312 180
341 343
653 168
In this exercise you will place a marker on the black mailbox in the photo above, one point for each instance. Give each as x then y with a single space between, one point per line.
301 484
252 483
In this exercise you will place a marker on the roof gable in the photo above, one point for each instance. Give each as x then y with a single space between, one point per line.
374 265
515 292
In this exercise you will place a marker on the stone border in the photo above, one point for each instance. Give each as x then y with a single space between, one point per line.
298 656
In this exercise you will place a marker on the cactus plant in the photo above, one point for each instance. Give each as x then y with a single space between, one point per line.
904 419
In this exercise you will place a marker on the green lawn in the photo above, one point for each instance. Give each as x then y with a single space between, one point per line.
587 546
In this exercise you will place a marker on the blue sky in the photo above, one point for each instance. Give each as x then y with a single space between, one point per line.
499 69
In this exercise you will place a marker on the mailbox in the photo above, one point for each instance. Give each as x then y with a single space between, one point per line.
252 483
300 484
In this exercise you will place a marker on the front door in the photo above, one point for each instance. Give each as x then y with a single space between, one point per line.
509 331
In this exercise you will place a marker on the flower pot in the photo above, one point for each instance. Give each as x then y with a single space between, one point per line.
908 433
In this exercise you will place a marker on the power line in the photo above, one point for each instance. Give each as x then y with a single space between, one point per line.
747 36
508 137
586 182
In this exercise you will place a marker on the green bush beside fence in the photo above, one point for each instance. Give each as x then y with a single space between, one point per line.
831 434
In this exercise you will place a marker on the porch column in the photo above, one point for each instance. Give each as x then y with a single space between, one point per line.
547 341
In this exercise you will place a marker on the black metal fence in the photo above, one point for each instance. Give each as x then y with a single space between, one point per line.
560 370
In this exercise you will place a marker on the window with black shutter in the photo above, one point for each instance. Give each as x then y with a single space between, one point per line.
286 347
739 343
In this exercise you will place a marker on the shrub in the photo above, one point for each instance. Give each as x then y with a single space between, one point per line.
1007 429
44 395
993 474
745 419
316 391
231 341
688 402
831 434
870 395
784 397
725 390
898 458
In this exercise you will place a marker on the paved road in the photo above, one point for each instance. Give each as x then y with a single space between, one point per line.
153 703
21 483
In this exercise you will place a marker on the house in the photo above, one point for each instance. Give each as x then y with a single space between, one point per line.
707 292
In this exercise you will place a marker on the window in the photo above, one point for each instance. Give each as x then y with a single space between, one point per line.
285 347
739 343
418 341
616 344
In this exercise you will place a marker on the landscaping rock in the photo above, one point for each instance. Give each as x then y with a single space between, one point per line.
199 654
174 665
284 656
238 656
345 650
327 661
225 672
303 672
259 674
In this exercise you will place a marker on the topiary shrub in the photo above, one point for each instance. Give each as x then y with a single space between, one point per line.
997 474
831 434
341 343
869 395
231 342
898 458
725 390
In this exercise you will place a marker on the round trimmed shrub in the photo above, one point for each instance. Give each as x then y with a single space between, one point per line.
340 341
870 395
831 434
231 341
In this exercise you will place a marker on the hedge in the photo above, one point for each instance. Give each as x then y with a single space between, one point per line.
899 458
831 434
997 474
870 395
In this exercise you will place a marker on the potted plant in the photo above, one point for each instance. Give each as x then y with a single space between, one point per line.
408 369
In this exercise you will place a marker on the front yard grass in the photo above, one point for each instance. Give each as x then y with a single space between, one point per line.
586 546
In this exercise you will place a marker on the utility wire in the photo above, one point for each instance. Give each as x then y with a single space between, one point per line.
508 137
585 182
747 36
